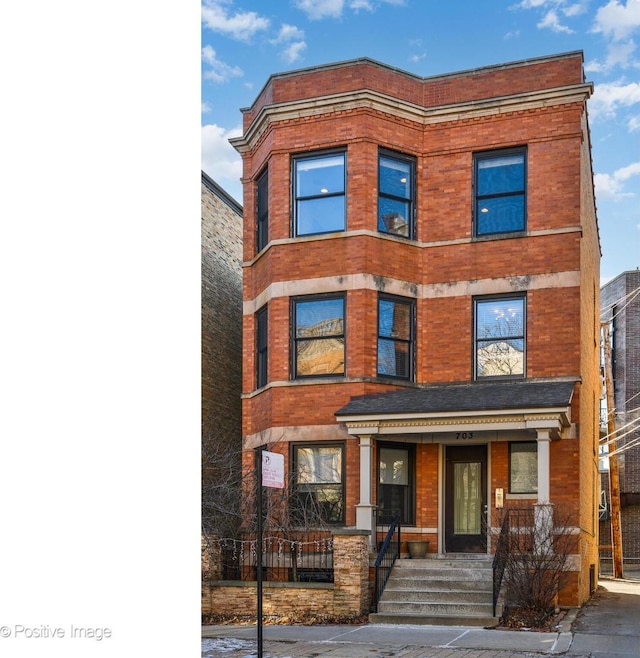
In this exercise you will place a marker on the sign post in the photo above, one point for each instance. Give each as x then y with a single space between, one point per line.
270 474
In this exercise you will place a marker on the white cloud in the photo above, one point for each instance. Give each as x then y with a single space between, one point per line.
205 107
531 4
219 71
241 25
575 9
552 22
594 66
611 186
618 54
608 98
618 20
317 9
567 8
220 160
356 5
552 10
288 33
293 52
293 37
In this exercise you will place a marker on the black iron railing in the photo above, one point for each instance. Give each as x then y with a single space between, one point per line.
286 557
389 552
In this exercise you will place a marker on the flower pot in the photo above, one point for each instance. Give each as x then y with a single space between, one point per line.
417 548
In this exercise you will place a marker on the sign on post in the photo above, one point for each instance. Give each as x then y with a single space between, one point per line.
272 470
270 474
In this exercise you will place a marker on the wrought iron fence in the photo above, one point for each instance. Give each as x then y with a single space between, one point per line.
286 557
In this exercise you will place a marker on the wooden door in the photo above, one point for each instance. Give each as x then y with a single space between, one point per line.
465 499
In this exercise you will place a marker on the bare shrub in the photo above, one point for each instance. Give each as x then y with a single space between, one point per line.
540 546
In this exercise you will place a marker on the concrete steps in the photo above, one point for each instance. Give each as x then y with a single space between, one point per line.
442 590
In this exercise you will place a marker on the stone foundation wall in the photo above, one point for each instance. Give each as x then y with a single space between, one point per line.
347 596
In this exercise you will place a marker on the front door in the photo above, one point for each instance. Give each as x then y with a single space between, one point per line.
465 499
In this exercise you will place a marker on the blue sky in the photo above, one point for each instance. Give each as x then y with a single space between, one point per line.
245 41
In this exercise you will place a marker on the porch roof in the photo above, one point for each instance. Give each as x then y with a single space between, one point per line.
522 404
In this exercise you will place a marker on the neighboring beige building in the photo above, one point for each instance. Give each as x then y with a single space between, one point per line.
221 330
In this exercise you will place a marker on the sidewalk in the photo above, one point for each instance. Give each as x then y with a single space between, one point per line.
379 640
593 635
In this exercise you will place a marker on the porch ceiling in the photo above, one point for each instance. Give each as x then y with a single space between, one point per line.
476 406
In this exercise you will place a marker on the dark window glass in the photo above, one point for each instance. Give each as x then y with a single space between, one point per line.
318 336
262 212
319 194
395 195
261 347
523 467
395 337
500 337
396 489
500 192
319 484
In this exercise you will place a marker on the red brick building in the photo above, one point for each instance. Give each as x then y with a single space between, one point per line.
421 297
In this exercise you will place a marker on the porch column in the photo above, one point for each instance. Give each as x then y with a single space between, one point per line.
544 464
543 509
364 509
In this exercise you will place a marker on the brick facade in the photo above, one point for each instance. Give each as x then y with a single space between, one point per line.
620 301
360 107
221 317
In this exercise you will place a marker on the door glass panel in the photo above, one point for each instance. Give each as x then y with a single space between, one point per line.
394 466
396 492
467 500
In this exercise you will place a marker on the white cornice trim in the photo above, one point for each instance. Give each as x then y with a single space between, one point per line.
551 419
346 282
377 101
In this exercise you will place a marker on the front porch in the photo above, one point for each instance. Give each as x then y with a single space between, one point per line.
462 471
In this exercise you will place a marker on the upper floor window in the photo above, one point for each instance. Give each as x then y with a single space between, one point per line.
319 193
395 194
318 484
262 211
500 192
500 336
261 348
395 337
318 336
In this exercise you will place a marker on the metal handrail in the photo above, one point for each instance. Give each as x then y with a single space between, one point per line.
388 554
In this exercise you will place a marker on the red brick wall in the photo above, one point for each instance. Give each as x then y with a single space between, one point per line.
430 92
442 268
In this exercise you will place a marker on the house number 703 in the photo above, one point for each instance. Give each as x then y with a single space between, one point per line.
464 435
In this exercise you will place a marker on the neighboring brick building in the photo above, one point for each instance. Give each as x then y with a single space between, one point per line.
221 329
620 305
421 297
